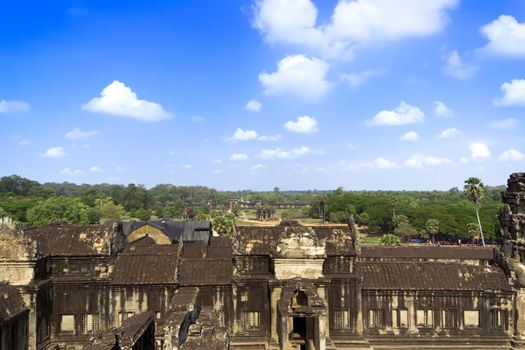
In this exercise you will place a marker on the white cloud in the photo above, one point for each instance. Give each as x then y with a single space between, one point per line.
513 93
257 167
13 106
404 114
187 166
69 172
352 24
442 110
239 157
506 37
243 135
479 150
77 134
505 124
303 125
360 78
96 169
269 138
378 163
410 136
54 152
297 75
419 161
119 99
511 155
253 106
449 133
278 153
455 67
198 119
247 135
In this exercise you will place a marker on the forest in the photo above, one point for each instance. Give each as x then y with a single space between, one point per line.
406 213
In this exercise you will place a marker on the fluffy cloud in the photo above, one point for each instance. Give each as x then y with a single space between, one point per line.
441 110
513 93
511 155
505 124
278 153
119 99
404 114
378 163
257 167
96 169
297 75
449 133
303 125
410 136
54 152
360 78
77 134
239 157
13 106
479 150
243 135
454 66
419 161
352 24
247 135
253 106
506 37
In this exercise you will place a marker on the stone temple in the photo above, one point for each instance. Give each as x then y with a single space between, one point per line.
174 285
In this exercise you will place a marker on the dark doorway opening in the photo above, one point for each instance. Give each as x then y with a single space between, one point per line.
299 332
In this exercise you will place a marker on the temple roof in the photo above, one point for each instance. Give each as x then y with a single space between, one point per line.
143 263
71 240
431 276
428 252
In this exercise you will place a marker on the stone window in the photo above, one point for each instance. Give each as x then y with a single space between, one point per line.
400 318
124 315
499 319
376 318
342 319
91 323
251 320
425 318
471 318
449 318
67 323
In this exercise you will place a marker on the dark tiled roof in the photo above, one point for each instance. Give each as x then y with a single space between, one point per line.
175 230
146 264
70 240
220 247
431 276
205 272
429 252
129 333
11 302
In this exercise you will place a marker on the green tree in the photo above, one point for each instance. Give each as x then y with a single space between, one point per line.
142 214
109 210
389 240
225 225
401 219
362 219
474 190
404 229
432 228
56 209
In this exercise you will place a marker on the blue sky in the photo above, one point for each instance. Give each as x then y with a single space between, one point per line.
238 94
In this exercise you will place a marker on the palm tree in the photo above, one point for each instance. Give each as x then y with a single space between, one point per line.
474 191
